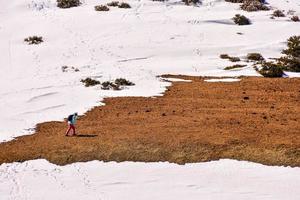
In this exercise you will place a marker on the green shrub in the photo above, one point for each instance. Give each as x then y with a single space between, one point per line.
101 8
34 40
234 67
89 82
113 4
241 20
234 59
295 18
116 85
271 70
291 60
255 57
278 13
124 5
68 3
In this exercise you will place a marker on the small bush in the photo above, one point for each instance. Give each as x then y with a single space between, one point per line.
295 19
123 82
241 20
234 59
101 8
253 5
271 70
291 60
278 13
89 82
68 3
34 40
124 5
293 44
224 56
255 57
235 1
116 85
234 67
113 4
190 2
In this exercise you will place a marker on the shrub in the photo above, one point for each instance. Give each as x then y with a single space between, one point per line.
189 2
235 1
124 5
101 8
68 3
113 4
234 59
253 5
116 85
123 82
89 82
255 57
224 56
241 20
234 67
278 13
271 70
34 40
295 19
291 60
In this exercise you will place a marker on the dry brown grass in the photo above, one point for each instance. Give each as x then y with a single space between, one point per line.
256 119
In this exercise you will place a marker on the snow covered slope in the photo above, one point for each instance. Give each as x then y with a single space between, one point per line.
150 39
224 179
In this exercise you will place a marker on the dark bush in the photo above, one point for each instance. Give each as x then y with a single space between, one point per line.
101 8
123 82
68 3
271 70
295 19
241 20
224 56
291 60
89 82
235 1
124 5
278 13
116 85
113 4
234 67
255 57
34 40
253 5
234 59
190 2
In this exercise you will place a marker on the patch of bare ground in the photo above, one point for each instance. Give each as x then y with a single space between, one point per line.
256 119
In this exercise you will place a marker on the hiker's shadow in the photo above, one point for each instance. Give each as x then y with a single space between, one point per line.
87 136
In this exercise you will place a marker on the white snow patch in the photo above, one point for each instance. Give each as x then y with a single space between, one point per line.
222 80
224 179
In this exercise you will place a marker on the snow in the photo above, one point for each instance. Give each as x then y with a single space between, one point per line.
224 179
138 44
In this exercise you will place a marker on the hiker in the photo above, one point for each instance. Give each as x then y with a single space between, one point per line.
71 123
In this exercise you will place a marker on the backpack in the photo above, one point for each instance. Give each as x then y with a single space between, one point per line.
70 117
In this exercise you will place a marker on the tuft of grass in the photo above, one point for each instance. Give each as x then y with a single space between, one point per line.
241 20
234 67
88 82
68 3
124 5
34 40
101 8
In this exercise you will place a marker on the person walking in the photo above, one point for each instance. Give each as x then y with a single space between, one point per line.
71 122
